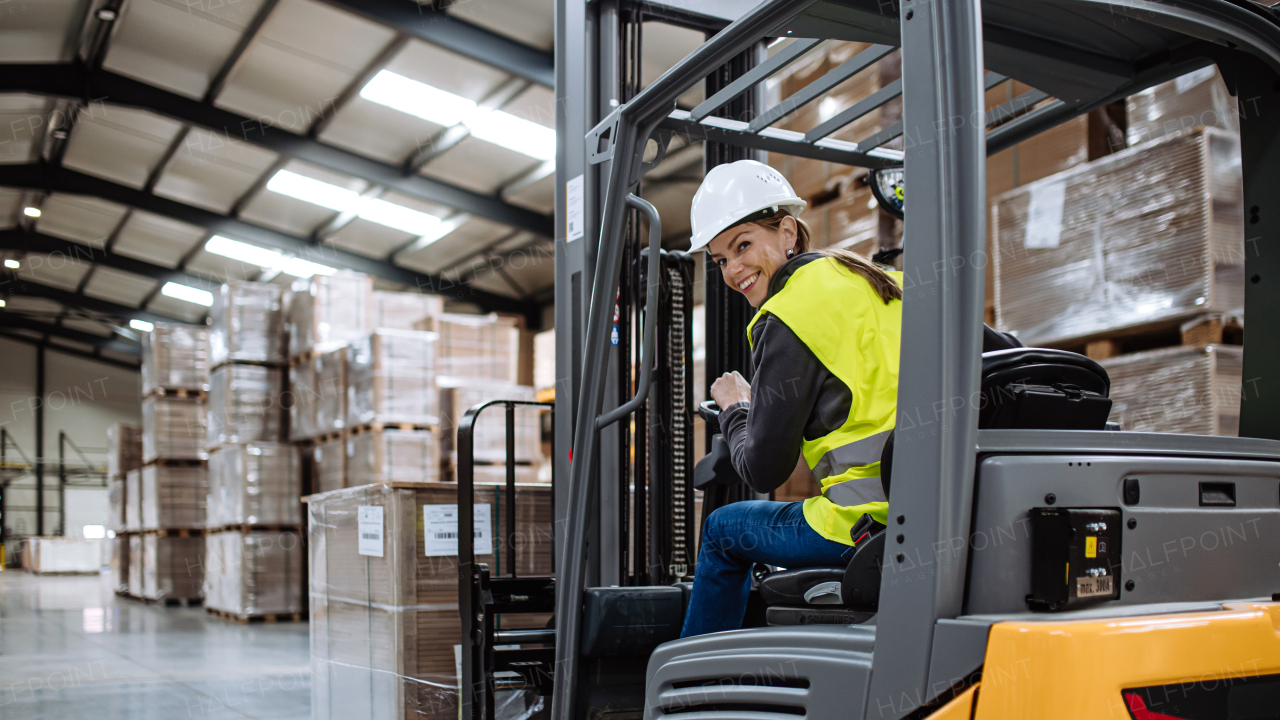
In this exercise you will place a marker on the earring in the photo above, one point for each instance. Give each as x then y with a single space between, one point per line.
791 252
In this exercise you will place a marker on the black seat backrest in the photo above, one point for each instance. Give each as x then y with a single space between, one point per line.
1043 389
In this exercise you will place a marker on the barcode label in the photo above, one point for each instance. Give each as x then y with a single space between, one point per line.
1094 586
440 530
369 527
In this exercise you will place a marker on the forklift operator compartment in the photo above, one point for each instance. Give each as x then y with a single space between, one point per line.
1038 561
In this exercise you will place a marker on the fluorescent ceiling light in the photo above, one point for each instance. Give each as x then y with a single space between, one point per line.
142 325
2 303
399 217
415 98
313 191
244 252
12 264
444 108
93 532
188 293
31 211
298 267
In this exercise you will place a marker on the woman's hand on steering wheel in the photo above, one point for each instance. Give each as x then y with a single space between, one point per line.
730 388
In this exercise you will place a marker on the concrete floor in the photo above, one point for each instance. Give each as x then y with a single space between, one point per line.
69 648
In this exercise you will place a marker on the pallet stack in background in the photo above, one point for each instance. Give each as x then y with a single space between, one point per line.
1136 259
254 564
124 456
165 500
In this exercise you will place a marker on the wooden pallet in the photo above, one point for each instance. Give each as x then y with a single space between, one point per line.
176 462
173 602
249 363
175 532
379 427
247 527
266 618
302 358
328 437
185 393
1202 330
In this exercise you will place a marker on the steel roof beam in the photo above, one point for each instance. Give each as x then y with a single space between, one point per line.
73 80
219 80
54 179
471 41
94 356
14 286
14 320
31 241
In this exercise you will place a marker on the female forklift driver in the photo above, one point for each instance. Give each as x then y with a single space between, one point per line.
824 345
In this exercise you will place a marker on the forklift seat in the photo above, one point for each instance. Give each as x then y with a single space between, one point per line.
1023 388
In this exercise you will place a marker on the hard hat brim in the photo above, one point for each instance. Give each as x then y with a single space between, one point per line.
700 241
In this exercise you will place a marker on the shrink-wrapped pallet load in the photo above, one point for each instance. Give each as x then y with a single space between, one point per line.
244 404
1198 99
174 428
175 356
117 499
254 573
391 379
1188 389
124 449
65 555
119 565
404 310
392 455
174 496
329 465
490 437
135 566
1152 234
254 484
477 346
384 595
330 391
300 401
246 324
133 500
327 311
172 567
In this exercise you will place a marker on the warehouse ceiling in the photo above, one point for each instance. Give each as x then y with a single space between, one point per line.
152 149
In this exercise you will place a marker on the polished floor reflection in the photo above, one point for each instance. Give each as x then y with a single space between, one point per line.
69 648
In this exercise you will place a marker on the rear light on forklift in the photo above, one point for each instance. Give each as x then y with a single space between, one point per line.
1211 697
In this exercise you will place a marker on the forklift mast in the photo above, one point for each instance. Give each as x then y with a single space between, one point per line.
1076 55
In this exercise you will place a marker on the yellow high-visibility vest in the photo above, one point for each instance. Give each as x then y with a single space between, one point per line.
841 318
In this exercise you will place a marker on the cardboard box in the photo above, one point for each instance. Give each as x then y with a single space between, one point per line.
117 493
175 356
244 404
119 566
174 428
391 379
65 555
300 401
489 441
174 496
1197 99
390 455
331 391
133 500
255 484
477 346
404 310
329 465
327 311
124 449
247 323
172 567
135 566
1188 389
254 573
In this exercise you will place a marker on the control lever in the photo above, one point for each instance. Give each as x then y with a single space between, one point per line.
717 467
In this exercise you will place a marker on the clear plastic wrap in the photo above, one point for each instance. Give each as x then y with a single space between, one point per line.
174 428
135 565
244 404
525 474
118 568
174 496
254 573
133 500
404 310
391 379
331 391
124 449
476 346
329 465
393 456
301 400
490 438
65 555
172 567
1151 234
384 627
1190 389
117 492
175 356
254 484
1198 99
246 323
326 311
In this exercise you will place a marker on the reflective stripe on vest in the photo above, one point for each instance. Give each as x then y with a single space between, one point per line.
856 336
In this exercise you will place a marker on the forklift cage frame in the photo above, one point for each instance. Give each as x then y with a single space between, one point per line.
945 47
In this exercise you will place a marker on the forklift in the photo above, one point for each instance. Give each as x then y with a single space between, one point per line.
1064 616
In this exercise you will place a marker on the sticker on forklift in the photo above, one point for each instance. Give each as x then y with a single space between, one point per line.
1044 215
1094 586
573 209
1091 546
369 527
440 530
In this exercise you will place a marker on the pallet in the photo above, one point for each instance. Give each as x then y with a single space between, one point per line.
175 532
327 437
1212 329
251 363
247 527
380 426
265 618
176 462
173 602
302 358
184 393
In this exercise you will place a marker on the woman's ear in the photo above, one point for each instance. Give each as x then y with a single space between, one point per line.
790 232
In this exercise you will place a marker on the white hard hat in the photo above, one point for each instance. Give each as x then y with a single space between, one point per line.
735 192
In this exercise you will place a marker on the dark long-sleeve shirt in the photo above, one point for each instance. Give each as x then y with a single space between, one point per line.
794 396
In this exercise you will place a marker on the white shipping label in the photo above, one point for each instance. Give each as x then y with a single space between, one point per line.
440 529
1044 216
369 525
573 209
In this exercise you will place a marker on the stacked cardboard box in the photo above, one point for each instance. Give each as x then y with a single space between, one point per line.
404 310
391 379
1188 389
174 428
254 484
124 454
64 556
384 613
1197 99
247 324
489 440
244 404
119 565
392 455
329 465
254 573
485 347
133 500
1152 234
175 356
174 496
329 311
172 566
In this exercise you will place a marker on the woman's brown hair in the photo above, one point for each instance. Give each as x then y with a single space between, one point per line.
880 281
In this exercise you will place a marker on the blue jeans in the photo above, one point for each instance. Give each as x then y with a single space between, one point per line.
738 535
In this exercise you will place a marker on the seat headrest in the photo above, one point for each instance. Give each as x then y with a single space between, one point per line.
1002 360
